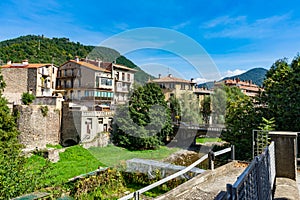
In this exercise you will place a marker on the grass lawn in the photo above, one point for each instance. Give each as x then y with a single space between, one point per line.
113 155
76 160
203 140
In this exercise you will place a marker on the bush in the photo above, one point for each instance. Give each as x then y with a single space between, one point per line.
27 98
44 110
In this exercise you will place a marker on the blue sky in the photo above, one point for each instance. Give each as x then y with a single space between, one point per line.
237 35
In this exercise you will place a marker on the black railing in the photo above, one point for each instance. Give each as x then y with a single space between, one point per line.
257 181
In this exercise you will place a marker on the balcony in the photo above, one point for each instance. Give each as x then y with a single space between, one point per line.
122 89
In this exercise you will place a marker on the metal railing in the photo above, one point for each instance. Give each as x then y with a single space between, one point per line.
257 181
136 194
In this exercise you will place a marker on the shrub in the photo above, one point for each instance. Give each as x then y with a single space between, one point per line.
44 110
27 98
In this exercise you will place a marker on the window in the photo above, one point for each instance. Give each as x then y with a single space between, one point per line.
123 76
100 120
65 72
106 82
128 77
182 86
65 84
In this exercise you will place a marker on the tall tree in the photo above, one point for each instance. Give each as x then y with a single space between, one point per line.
206 109
190 110
281 95
175 108
145 122
241 118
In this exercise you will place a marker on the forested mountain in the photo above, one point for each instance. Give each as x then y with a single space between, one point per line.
39 49
257 75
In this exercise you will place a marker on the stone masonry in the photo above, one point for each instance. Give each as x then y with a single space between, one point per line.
35 129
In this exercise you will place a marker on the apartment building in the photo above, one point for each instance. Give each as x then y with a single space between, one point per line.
86 83
247 87
174 86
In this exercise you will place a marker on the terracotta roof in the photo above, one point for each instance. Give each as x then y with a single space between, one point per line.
88 65
124 67
30 65
170 79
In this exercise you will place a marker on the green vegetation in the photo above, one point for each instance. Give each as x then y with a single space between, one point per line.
44 110
256 75
118 155
27 98
241 118
190 111
73 161
206 109
282 86
39 49
146 122
203 140
57 146
140 76
15 177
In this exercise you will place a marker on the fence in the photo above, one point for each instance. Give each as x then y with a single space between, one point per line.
257 181
136 194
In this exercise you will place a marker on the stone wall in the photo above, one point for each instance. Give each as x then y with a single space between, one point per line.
32 80
37 130
69 126
285 153
16 83
102 140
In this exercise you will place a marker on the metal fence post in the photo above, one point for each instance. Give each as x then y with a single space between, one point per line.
232 152
136 195
229 192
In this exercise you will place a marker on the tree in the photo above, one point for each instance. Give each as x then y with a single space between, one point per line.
190 108
281 94
219 105
241 118
175 108
145 122
15 178
206 109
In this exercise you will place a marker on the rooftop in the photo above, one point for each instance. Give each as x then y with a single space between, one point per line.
170 79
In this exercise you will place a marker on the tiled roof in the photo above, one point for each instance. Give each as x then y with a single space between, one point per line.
88 65
170 79
124 67
30 65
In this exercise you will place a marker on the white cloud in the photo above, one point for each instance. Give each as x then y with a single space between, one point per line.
201 80
181 25
240 27
224 20
235 72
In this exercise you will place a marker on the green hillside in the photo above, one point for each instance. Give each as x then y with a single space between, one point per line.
39 49
257 75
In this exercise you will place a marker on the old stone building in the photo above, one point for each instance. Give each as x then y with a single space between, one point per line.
38 79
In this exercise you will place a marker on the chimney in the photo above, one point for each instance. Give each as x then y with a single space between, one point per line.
8 62
76 58
159 75
24 62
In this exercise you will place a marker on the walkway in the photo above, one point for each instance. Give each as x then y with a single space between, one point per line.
208 185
